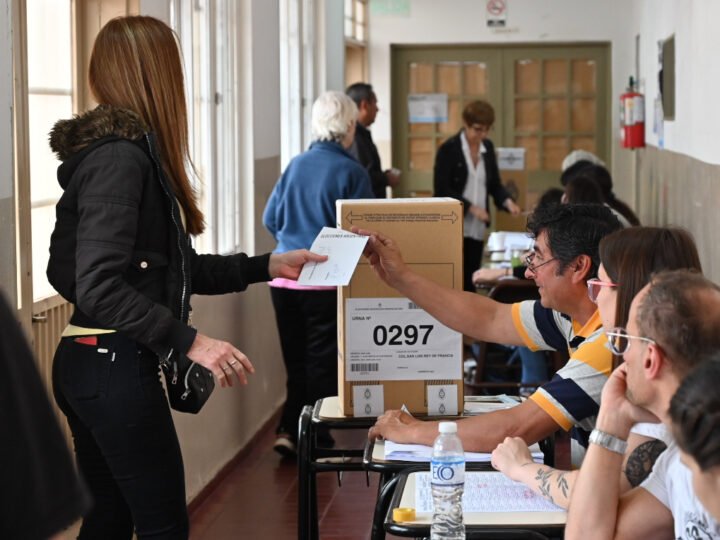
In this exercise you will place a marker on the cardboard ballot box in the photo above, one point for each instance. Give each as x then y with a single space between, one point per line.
390 352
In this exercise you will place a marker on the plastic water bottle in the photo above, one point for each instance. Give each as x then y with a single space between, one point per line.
447 483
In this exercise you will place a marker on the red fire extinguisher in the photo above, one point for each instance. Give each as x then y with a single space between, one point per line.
632 118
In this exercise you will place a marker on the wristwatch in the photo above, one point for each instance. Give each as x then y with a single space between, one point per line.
609 442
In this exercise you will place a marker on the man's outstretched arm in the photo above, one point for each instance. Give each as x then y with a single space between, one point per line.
471 314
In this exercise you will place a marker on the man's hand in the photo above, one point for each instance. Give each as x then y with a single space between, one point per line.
394 426
288 265
617 413
511 455
384 257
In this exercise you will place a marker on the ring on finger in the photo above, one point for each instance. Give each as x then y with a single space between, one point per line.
234 362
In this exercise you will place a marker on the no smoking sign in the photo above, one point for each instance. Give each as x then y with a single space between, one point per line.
496 13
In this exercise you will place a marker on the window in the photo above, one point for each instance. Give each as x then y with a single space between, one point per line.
298 31
210 45
356 12
356 41
50 98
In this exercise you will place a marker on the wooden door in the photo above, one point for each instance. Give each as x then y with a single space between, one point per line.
548 99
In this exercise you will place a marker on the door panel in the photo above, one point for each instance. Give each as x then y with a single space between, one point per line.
463 75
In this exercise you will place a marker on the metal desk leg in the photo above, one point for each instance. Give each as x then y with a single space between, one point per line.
381 508
305 490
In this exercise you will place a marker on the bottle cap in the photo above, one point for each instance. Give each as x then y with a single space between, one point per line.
403 514
448 427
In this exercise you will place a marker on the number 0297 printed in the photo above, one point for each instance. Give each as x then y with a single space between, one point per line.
393 339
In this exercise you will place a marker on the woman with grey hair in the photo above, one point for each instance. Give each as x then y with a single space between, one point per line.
301 204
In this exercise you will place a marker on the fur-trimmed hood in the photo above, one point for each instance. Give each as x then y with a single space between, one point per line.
68 137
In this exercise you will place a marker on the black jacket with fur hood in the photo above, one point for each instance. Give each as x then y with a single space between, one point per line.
119 251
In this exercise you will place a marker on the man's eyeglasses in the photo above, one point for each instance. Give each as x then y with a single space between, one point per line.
619 340
595 285
532 266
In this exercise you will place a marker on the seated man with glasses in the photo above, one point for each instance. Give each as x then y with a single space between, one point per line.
672 328
565 256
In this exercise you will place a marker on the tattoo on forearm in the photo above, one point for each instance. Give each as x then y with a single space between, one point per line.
543 476
562 484
641 461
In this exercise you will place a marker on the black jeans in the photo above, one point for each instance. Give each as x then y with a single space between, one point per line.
125 441
307 324
472 258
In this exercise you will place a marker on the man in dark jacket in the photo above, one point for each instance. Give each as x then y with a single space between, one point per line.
363 148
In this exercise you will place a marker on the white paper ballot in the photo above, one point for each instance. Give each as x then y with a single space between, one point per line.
343 249
421 453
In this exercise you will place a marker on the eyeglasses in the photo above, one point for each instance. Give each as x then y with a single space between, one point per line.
479 128
595 285
533 267
619 340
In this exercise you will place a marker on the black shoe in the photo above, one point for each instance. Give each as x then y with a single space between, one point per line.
285 445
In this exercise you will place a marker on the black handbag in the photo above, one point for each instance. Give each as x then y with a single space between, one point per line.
188 384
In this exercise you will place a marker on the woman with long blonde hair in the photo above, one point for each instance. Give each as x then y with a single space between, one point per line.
121 253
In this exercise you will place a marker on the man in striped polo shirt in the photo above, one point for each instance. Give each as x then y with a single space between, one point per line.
565 256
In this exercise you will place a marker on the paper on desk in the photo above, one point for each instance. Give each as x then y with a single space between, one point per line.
343 249
420 452
486 492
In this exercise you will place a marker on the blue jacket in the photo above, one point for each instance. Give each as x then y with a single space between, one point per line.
303 201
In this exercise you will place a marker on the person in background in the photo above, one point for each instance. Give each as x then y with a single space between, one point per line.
601 176
580 155
672 327
629 258
583 188
300 205
466 169
121 254
695 415
363 148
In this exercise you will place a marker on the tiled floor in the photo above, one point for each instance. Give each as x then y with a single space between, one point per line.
258 498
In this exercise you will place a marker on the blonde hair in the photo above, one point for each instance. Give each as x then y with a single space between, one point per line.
135 64
333 113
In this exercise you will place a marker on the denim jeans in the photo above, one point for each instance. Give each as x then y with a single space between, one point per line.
125 441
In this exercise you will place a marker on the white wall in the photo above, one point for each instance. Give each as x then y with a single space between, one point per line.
697 72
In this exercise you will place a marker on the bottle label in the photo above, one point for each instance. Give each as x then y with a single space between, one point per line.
448 473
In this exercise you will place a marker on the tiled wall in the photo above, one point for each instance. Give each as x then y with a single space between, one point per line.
674 189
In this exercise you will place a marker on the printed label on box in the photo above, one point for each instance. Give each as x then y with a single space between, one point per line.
442 399
368 400
392 339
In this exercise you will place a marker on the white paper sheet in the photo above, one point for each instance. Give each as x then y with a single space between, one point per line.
343 249
486 492
422 453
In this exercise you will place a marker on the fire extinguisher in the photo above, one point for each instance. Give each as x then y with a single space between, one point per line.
632 118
